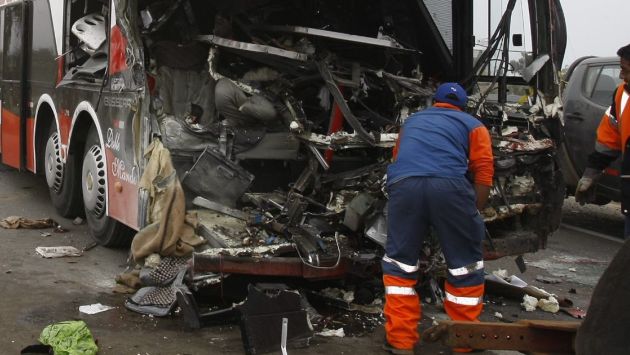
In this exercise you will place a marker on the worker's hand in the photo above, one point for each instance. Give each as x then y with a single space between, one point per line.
585 191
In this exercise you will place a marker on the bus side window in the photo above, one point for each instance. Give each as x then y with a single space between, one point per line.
86 41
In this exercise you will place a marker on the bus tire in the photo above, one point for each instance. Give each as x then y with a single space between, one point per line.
62 179
105 230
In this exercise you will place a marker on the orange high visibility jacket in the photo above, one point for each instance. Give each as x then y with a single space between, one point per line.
614 128
613 140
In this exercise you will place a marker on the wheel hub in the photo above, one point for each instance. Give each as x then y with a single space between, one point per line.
53 165
93 182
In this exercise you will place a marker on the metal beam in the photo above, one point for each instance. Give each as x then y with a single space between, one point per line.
271 266
527 335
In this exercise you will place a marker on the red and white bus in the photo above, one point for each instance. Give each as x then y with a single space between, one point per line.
86 85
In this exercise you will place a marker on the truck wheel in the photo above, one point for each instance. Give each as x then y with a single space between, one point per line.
62 179
105 230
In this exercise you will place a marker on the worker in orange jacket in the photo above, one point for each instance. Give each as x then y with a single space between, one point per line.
612 141
428 187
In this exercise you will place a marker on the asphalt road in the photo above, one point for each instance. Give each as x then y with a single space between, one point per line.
35 292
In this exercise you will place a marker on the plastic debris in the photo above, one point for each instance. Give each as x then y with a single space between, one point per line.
94 308
548 280
77 221
549 305
575 312
572 269
529 303
69 338
337 293
58 252
59 229
501 273
332 333
45 234
152 261
498 315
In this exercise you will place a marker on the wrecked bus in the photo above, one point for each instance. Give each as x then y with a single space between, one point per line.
279 116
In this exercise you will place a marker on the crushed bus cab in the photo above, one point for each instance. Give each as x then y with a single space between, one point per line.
278 119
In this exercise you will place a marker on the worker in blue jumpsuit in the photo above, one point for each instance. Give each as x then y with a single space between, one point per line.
428 187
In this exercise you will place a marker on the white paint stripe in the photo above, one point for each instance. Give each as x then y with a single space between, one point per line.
465 270
398 290
624 102
404 267
464 301
592 233
112 19
56 14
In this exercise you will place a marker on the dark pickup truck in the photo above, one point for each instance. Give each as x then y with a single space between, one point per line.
590 85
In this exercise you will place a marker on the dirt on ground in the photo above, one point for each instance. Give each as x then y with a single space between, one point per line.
36 292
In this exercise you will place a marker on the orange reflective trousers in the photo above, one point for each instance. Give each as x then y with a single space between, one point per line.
402 308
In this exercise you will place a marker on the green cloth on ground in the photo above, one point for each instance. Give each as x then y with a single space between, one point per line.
69 338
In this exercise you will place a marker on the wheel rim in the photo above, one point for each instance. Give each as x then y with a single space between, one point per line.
93 181
53 164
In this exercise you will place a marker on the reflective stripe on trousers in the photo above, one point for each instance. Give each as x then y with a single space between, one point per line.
401 291
409 269
468 269
401 311
464 301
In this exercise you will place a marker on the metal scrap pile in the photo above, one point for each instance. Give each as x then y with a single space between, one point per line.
286 162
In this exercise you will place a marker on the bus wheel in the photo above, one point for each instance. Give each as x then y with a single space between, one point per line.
107 231
62 179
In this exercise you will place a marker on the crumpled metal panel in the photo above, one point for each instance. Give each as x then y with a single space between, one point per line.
260 49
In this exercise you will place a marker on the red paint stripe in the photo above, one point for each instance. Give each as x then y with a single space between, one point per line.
65 121
612 172
60 64
10 138
30 137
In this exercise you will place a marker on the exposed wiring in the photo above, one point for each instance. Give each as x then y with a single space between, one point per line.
322 267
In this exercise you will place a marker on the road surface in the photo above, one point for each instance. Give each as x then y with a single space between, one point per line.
35 292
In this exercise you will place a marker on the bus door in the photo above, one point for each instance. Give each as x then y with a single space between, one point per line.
13 83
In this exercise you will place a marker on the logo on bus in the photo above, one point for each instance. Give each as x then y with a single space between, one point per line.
112 140
119 170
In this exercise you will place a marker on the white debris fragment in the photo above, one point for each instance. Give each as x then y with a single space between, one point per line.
348 296
94 308
58 252
332 333
509 130
572 269
549 305
152 261
529 303
338 293
501 273
498 315
77 221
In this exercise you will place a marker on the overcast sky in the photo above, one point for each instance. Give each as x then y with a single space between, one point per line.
595 27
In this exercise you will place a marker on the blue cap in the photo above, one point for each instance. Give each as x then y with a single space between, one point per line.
451 93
